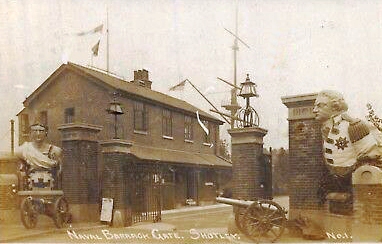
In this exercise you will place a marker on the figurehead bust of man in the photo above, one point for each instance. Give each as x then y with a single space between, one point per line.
347 141
328 104
38 153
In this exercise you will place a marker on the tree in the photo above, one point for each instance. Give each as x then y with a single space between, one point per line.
224 149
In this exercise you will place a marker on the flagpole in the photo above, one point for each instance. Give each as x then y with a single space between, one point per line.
107 39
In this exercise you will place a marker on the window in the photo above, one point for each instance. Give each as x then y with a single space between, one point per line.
43 118
69 115
207 138
188 132
166 122
140 116
24 124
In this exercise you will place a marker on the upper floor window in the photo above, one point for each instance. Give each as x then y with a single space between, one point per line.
207 138
44 118
140 116
166 122
69 115
188 128
24 124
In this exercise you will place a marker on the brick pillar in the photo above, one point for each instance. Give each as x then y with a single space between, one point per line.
367 204
367 189
247 164
114 179
306 166
80 170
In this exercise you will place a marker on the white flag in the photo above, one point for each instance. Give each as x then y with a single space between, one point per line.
92 31
179 86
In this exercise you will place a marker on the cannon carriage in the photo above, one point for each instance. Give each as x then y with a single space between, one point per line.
40 193
261 220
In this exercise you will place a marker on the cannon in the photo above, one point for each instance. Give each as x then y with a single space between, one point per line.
40 196
260 220
51 203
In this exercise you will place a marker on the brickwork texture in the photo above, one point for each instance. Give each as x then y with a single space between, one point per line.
247 171
80 173
367 203
307 169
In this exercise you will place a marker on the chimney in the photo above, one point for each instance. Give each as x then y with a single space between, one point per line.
141 77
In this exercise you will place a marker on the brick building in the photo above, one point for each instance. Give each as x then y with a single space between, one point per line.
163 132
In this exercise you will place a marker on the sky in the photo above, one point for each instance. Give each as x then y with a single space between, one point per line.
296 47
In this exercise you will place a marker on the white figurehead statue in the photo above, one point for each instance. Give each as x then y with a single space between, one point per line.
38 154
347 142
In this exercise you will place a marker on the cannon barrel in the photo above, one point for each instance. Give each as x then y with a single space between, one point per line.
234 202
240 203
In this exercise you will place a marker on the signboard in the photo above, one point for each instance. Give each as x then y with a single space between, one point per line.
107 209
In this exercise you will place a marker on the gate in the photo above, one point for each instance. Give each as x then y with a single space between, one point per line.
146 192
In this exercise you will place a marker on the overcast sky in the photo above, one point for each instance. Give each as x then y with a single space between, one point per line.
296 47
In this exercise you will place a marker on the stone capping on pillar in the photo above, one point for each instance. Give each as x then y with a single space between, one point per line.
367 175
247 135
300 106
116 146
79 131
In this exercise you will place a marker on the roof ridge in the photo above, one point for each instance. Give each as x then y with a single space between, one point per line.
128 84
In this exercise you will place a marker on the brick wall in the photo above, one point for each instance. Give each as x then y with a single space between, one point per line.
307 171
246 171
80 173
306 166
367 203
113 179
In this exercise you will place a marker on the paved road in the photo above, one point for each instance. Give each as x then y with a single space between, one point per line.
207 225
185 227
204 225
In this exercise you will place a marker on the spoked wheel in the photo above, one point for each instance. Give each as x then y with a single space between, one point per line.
264 221
239 218
61 209
28 213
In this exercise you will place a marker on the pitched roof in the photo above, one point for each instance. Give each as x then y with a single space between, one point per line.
176 156
128 87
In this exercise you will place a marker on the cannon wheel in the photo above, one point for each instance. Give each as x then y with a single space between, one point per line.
28 213
61 209
239 217
264 221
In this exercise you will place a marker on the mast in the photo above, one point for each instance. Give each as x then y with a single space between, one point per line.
235 48
107 39
234 106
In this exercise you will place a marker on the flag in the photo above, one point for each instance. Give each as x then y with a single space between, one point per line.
201 123
179 86
95 30
95 48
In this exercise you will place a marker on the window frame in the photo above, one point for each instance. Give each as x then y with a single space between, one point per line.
167 122
140 114
69 115
25 125
43 117
188 128
207 138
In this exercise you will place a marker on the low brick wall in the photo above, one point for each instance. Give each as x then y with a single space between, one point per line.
368 203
